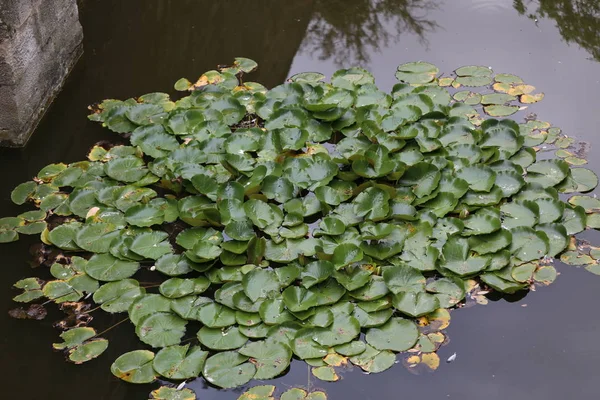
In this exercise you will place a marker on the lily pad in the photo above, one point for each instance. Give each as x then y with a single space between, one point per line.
105 267
397 334
135 367
168 393
228 369
417 72
325 374
161 329
270 357
179 362
221 338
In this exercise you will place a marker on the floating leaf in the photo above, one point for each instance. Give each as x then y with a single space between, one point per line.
221 338
403 279
397 334
531 98
545 274
228 369
263 392
528 244
160 329
417 72
179 362
325 374
168 393
105 267
135 367
590 204
415 304
118 296
500 110
373 360
258 283
270 357
457 259
335 211
473 76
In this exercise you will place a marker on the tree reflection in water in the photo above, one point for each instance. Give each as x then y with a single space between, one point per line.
347 32
578 21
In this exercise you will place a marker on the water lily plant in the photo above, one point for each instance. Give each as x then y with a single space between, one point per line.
330 222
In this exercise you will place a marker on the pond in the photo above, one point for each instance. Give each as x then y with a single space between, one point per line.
541 346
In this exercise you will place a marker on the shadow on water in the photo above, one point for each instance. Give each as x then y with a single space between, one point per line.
542 346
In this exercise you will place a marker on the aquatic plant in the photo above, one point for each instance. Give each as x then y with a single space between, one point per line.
330 222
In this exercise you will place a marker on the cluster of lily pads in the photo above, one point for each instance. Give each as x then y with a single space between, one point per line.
330 222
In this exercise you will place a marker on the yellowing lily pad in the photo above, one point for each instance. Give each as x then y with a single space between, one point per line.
325 374
531 98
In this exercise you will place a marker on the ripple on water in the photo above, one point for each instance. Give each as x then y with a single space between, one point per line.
490 6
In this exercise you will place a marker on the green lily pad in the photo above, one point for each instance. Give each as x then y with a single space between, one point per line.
105 267
528 244
215 315
397 334
228 369
151 245
590 204
373 360
518 214
479 178
545 274
126 169
547 172
316 272
417 72
415 304
118 296
179 362
500 110
574 219
345 254
22 192
168 393
299 299
161 329
221 338
305 347
270 357
259 283
135 367
177 287
87 351
146 305
457 259
403 279
343 330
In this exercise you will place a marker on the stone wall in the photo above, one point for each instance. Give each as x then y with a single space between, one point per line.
40 41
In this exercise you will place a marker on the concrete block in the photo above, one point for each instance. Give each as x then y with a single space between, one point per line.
54 16
14 12
40 41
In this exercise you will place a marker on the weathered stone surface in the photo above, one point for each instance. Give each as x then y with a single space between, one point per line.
40 41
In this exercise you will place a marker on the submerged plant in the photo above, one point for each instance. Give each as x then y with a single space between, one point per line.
289 221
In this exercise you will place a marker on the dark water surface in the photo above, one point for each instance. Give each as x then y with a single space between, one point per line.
545 346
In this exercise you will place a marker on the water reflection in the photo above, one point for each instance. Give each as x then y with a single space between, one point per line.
547 350
348 32
578 21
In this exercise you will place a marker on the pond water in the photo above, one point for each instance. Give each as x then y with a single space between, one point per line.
542 346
